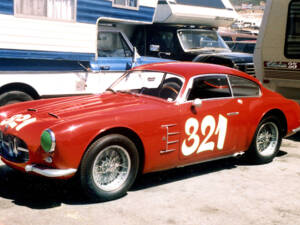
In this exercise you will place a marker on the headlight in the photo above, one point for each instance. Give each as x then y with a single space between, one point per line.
48 140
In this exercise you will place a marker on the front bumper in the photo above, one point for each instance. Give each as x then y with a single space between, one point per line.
50 172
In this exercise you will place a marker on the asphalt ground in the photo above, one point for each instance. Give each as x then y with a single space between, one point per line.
220 192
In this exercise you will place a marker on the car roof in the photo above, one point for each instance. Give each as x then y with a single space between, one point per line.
190 69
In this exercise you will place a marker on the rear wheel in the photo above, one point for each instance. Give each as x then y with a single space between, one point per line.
266 142
109 167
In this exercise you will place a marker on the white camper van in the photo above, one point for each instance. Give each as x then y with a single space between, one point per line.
277 53
66 47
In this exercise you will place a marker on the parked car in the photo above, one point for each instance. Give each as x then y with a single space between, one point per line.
231 37
155 117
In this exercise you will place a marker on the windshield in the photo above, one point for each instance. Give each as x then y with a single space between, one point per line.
193 39
157 84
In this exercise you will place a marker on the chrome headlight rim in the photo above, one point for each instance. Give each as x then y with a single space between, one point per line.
52 140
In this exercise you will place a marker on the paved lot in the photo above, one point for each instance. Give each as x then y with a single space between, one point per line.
220 192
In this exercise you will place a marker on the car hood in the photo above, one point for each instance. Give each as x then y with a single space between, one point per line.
237 57
69 107
39 115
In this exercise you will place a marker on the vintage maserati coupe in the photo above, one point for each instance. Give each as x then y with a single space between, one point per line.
155 117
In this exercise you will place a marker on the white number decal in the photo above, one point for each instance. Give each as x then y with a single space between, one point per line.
210 122
19 121
191 129
221 131
193 124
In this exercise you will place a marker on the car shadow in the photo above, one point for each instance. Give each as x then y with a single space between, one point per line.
42 193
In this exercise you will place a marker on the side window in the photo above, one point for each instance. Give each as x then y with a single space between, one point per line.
207 87
292 39
126 3
52 9
112 44
242 87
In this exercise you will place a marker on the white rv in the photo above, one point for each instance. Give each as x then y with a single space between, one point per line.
64 47
277 53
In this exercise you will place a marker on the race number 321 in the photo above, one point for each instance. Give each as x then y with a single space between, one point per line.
207 124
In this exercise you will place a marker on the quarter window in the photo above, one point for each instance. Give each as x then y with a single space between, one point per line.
242 87
53 9
209 87
292 41
126 3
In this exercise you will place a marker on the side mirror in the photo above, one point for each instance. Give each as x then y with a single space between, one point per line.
134 55
197 103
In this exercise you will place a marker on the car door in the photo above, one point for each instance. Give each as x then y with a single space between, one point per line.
209 120
114 52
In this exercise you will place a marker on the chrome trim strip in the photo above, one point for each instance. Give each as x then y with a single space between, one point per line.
233 114
50 172
167 151
296 130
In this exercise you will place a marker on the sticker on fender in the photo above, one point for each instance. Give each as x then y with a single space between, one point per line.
191 130
18 121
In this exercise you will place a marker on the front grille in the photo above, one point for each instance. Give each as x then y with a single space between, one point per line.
13 148
246 67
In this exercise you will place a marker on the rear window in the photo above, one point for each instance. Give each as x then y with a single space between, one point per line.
292 40
242 87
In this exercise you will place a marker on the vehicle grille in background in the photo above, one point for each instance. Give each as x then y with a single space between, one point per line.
13 148
246 67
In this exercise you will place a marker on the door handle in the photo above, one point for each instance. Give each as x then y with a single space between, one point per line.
233 114
104 67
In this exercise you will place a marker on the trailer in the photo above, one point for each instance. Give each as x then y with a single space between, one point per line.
51 48
277 51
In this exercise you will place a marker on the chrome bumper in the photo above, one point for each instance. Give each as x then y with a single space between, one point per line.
50 172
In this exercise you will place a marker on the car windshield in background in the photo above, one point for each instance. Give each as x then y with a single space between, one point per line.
193 39
158 84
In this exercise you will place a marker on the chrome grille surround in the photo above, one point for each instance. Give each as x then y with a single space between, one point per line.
13 148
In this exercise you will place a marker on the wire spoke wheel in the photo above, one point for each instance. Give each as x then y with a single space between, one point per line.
267 139
111 168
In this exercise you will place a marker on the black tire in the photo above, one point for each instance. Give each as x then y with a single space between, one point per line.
108 154
266 141
11 97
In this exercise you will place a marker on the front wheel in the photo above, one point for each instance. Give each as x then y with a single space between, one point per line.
266 141
109 167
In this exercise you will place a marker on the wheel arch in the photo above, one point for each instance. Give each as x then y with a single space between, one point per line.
281 118
20 87
130 134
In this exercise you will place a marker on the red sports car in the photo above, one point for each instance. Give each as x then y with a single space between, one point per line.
155 117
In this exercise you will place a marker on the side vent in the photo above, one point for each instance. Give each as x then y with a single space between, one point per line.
171 138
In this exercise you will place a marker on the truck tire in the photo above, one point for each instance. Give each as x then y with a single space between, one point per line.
11 97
